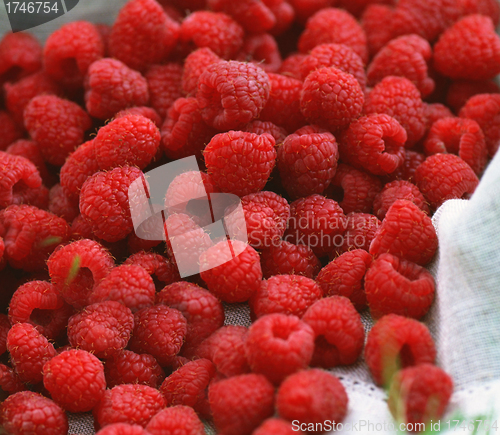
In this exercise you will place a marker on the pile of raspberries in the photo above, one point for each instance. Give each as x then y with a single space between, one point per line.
342 125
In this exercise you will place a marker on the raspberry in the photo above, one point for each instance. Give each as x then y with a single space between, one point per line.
9 382
436 111
312 396
231 270
338 332
26 412
214 30
195 64
70 50
10 131
261 49
259 127
287 338
275 426
4 330
164 83
406 171
57 125
75 380
39 304
175 419
284 14
241 403
485 110
304 9
399 98
30 236
445 176
123 429
470 49
331 98
160 268
31 151
226 349
61 205
396 342
29 351
203 311
158 331
77 268
376 21
307 161
331 25
460 91
420 394
398 286
232 93
406 232
344 276
291 67
128 403
254 15
361 229
142 34
489 8
396 190
287 294
356 7
20 56
407 56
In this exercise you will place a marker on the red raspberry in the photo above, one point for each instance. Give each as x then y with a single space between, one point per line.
331 25
127 367
312 396
276 426
356 7
344 276
128 403
159 331
406 232
307 161
460 91
77 268
291 67
57 125
9 382
29 351
26 412
195 64
396 342
376 21
231 270
61 205
4 330
232 93
142 34
393 285
436 111
75 380
164 84
490 8
175 419
331 98
159 267
10 131
40 304
399 98
396 190
70 50
123 429
259 127
226 349
287 338
306 8
287 294
338 332
406 171
214 30
361 229
241 403
407 56
30 236
420 394
285 16
445 176
254 15
470 49
261 49
20 55
317 222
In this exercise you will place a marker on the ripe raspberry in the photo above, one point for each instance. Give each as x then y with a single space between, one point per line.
241 403
406 171
61 205
284 258
376 21
399 98
361 229
70 50
435 112
331 25
232 93
123 429
226 349
26 412
254 15
489 8
470 49
231 270
307 161
445 176
29 351
331 98
397 342
460 91
158 331
291 67
406 232
217 31
420 394
276 426
261 49
287 294
9 382
259 127
128 403
306 8
142 34
75 380
30 235
10 130
164 84
312 396
20 56
77 268
57 125
396 190
195 64
162 270
285 16
175 419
